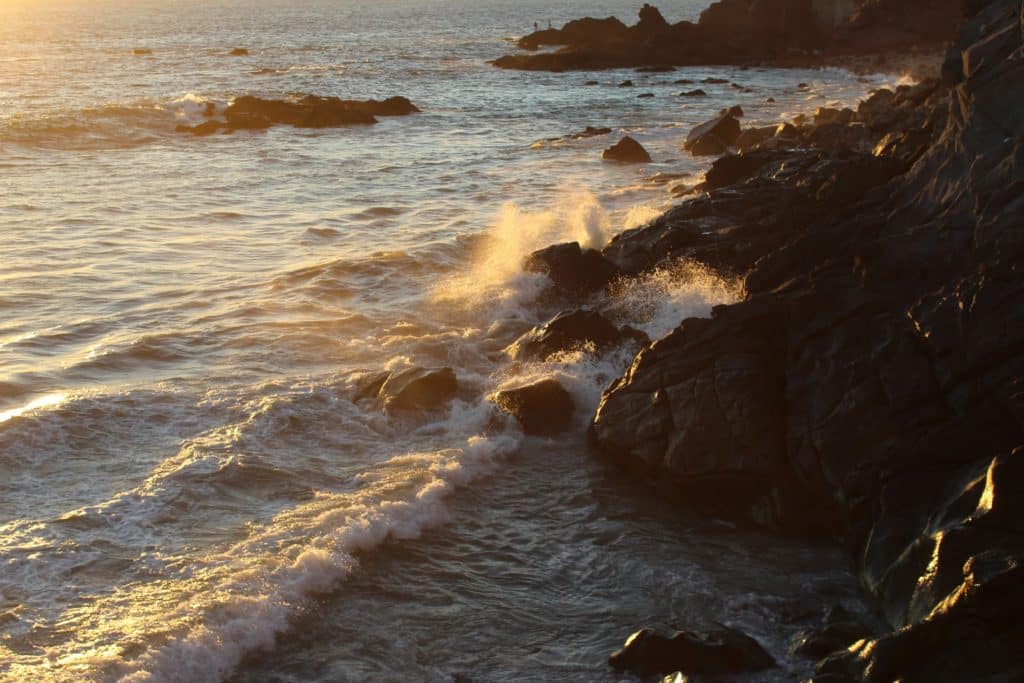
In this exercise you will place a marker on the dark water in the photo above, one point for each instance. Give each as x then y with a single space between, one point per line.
187 492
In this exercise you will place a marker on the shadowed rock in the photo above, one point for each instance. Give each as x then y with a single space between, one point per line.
255 113
725 127
541 409
627 150
572 330
725 651
574 272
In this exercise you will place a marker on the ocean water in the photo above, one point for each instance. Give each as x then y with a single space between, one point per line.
187 492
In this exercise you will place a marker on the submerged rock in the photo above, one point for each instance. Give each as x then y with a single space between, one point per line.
724 651
413 390
627 150
543 408
239 52
418 389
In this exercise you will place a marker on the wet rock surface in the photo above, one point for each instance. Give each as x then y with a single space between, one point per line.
724 651
412 390
571 330
627 150
574 272
870 386
543 408
312 111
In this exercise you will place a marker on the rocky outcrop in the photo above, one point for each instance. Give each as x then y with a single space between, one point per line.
788 32
543 408
627 150
724 651
870 386
312 111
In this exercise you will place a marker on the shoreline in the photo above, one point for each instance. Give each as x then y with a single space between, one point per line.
832 230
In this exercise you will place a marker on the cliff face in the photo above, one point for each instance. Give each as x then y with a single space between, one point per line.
871 384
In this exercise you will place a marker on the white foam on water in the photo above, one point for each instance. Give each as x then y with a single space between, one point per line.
227 603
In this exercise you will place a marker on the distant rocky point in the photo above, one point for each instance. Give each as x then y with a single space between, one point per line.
788 32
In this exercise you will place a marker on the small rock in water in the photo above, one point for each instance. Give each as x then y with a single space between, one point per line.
714 81
239 52
693 93
590 132
645 94
627 150
590 83
626 84
542 408
724 651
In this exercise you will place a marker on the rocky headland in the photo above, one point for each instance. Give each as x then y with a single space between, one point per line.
747 32
869 385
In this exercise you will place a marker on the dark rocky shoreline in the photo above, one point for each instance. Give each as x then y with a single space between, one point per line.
869 387
809 33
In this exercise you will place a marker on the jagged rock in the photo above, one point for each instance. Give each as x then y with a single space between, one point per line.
572 330
725 127
627 150
573 271
541 409
724 651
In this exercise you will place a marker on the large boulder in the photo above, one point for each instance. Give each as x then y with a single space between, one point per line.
724 651
571 330
627 150
542 408
574 272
